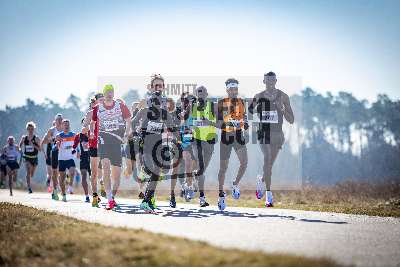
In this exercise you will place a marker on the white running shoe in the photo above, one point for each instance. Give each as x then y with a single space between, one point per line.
235 191
269 202
259 187
221 203
203 202
189 193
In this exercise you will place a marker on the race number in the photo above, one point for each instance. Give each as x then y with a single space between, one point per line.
270 116
154 127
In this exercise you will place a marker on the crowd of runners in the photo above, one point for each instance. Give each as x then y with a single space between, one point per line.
159 140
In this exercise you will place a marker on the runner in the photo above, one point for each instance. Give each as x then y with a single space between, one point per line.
114 123
47 156
132 152
11 153
64 142
154 121
50 138
186 139
30 145
3 170
178 168
271 105
232 120
81 142
95 165
205 135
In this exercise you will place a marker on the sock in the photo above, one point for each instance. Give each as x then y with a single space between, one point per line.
201 193
109 195
221 193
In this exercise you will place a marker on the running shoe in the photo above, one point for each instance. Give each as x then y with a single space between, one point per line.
189 193
259 187
172 202
146 207
102 189
54 195
49 188
269 202
235 191
141 195
30 190
203 202
111 204
95 201
87 199
64 198
221 203
152 202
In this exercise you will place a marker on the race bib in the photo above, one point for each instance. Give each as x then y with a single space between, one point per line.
234 123
270 116
11 158
154 127
29 149
85 146
111 125
199 123
188 136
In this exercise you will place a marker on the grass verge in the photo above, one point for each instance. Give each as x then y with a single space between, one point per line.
32 237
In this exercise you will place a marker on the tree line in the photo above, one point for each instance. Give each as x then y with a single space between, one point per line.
339 136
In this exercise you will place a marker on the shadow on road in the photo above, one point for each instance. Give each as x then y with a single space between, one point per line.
166 211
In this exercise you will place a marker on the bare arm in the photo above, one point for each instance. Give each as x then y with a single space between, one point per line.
287 110
22 141
37 143
46 138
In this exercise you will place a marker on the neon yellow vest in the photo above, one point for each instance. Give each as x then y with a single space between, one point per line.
200 132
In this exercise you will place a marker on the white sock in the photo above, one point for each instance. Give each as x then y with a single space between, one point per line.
109 195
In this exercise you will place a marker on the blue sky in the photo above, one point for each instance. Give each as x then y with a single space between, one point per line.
55 48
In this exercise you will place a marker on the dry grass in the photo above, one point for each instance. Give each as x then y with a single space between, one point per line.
31 237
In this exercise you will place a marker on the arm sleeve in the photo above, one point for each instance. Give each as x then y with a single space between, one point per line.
76 141
126 114
94 113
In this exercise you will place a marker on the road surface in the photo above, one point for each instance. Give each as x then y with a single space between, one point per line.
348 239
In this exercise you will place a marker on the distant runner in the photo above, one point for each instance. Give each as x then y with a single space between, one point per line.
271 105
12 154
30 145
81 142
64 142
50 138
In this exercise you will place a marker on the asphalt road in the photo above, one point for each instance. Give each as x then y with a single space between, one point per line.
349 239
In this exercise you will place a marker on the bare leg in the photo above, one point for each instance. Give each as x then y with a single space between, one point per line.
106 177
116 173
10 179
223 166
62 182
28 168
188 167
94 163
242 155
54 176
85 185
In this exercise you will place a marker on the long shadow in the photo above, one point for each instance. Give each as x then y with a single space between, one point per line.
166 211
321 221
